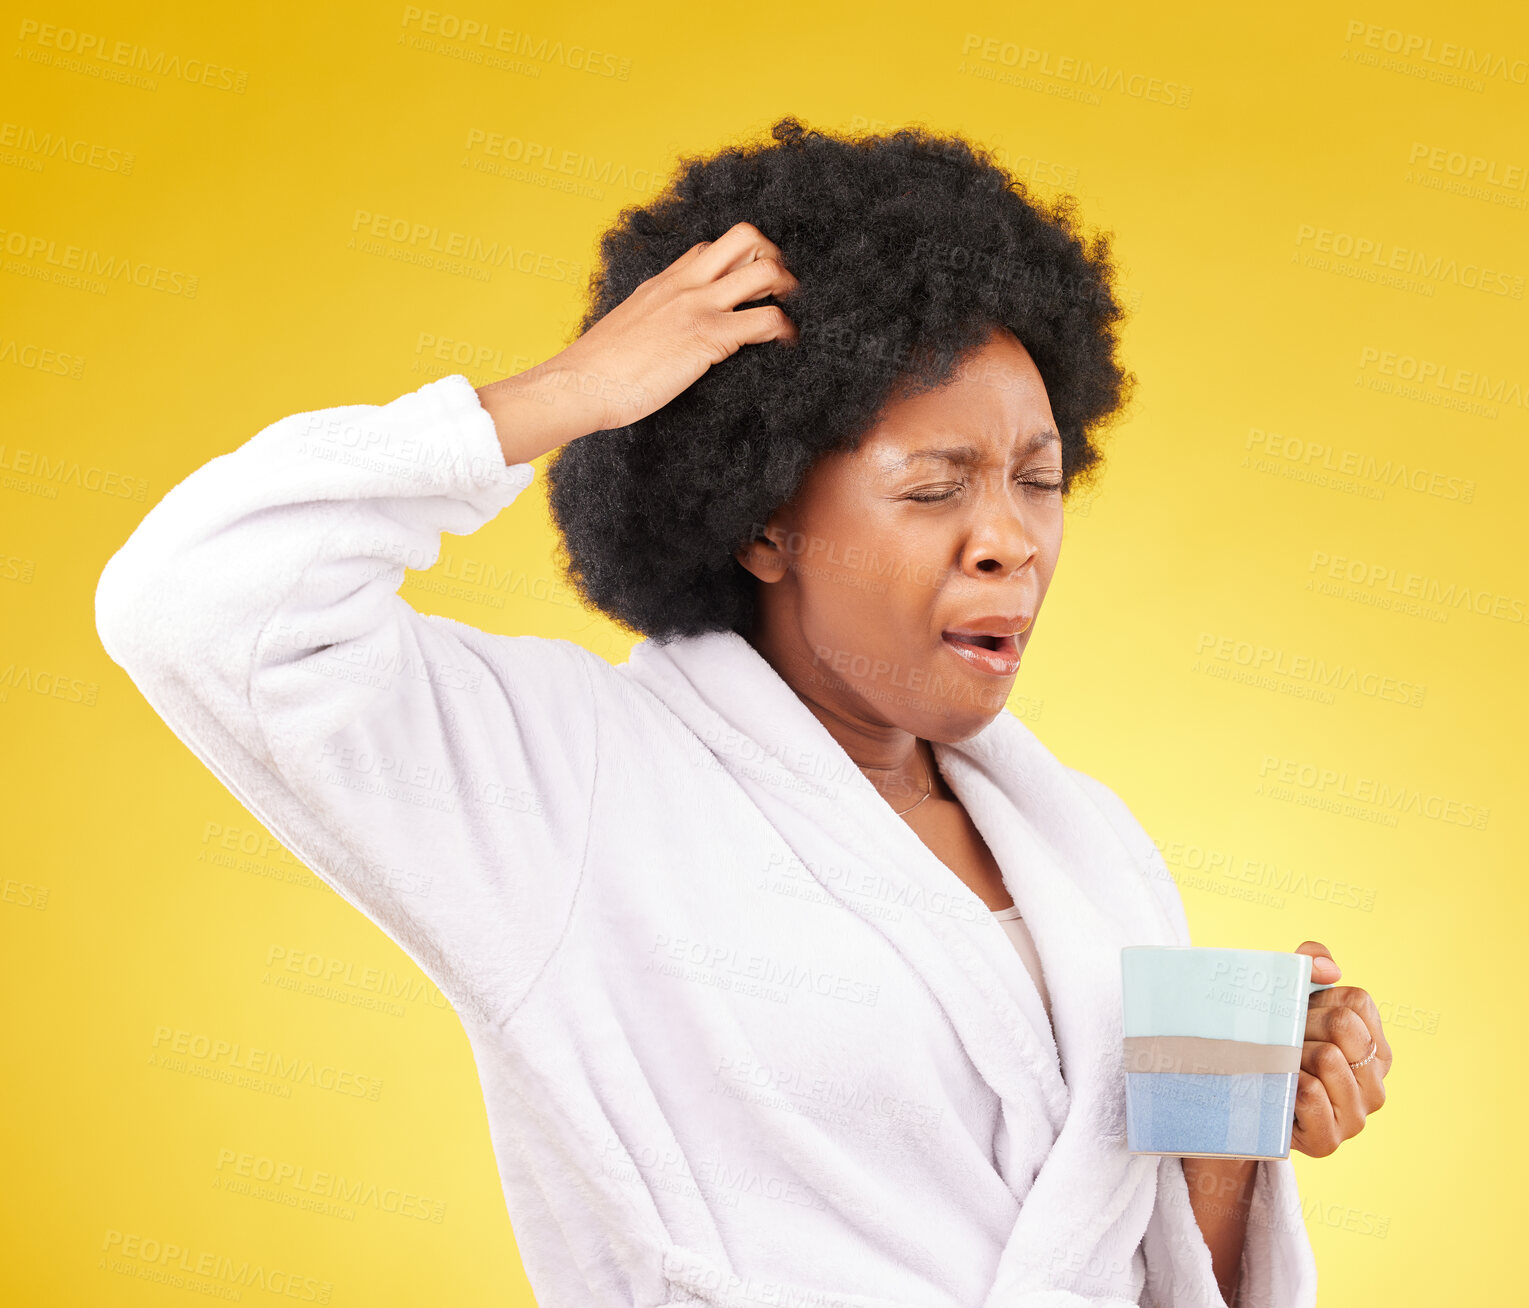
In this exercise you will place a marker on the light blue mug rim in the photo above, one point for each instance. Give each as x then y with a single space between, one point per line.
1311 986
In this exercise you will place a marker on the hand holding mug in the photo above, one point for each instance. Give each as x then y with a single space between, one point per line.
1343 1028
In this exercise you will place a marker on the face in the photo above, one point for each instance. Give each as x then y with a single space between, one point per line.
900 587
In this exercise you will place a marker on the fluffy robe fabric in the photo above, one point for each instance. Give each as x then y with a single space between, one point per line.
743 1039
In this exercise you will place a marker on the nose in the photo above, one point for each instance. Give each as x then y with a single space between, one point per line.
1003 538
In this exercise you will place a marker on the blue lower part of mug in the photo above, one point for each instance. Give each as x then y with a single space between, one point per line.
1245 1115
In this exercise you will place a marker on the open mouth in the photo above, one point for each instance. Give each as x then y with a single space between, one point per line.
986 642
996 654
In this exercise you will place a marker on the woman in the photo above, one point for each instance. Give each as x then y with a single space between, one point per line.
720 921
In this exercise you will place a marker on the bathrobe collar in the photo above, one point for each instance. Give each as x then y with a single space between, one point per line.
1071 875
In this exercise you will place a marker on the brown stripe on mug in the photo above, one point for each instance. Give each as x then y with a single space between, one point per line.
1197 1055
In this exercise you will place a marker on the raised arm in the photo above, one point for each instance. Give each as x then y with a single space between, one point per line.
436 776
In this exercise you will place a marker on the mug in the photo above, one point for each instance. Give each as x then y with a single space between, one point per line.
1213 1042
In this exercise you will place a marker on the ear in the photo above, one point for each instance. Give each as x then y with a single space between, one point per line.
764 554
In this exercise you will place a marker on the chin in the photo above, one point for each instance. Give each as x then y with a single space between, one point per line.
956 727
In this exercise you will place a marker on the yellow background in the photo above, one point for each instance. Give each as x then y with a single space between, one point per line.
1212 536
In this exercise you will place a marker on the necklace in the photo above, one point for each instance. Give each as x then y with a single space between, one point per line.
928 787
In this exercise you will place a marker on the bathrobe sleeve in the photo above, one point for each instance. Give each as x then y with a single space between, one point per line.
1278 1267
437 777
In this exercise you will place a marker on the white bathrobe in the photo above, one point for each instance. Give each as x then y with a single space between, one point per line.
744 1040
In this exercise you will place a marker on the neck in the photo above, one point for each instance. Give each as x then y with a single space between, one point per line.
898 763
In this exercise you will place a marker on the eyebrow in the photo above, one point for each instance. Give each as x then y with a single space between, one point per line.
966 455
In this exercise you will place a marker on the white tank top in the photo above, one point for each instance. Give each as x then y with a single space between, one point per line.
1019 933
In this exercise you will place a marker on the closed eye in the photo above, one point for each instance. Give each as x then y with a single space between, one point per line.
1045 484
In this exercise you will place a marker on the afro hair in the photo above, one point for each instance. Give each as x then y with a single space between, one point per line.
908 247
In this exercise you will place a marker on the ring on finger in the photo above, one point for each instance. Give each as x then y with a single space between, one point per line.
1367 1057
